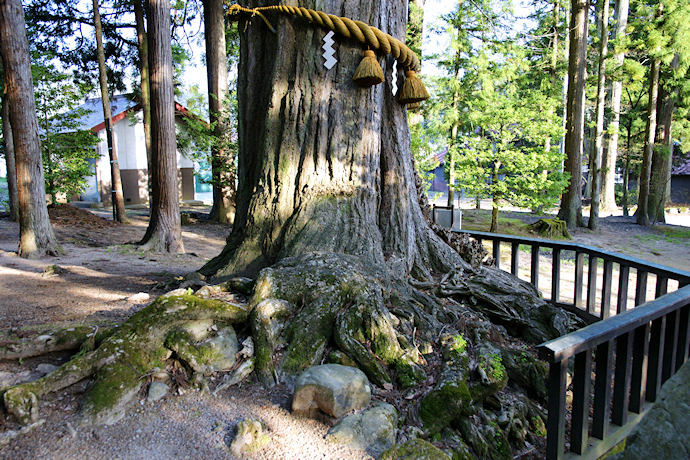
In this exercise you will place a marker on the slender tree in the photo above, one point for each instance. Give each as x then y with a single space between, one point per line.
642 214
8 145
143 61
222 163
164 232
595 171
117 197
36 237
571 201
608 176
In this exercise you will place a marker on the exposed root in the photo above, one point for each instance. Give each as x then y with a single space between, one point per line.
136 347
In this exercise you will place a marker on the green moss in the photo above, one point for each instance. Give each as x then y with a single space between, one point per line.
415 449
538 427
443 404
409 374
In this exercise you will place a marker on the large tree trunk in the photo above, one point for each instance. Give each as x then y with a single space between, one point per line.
642 212
608 178
660 179
222 164
143 46
571 201
8 144
36 237
164 232
327 198
595 172
326 164
117 197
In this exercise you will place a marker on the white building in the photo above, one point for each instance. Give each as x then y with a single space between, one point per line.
130 146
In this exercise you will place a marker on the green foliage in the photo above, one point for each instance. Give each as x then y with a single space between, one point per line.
424 159
196 138
65 148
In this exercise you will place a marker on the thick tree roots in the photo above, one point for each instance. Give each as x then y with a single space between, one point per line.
431 342
141 344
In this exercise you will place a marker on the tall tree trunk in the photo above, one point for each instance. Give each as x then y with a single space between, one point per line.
495 198
9 159
222 163
571 201
595 173
650 132
608 178
660 179
319 172
143 46
164 232
116 181
36 237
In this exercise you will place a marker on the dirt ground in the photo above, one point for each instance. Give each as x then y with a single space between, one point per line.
101 279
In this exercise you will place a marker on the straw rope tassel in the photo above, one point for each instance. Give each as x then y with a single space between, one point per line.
369 72
367 35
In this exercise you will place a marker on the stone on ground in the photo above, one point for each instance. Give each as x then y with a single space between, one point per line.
333 389
373 430
157 390
249 439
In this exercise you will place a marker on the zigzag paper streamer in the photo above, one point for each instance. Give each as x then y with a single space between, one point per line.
329 51
394 83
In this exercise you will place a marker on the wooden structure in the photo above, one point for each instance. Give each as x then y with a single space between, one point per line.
631 351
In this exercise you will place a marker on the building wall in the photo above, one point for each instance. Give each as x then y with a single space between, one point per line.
680 189
130 144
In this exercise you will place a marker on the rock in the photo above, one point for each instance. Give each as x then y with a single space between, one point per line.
45 368
239 284
157 390
138 297
415 449
206 292
373 430
198 330
664 432
249 439
226 347
332 388
174 293
53 270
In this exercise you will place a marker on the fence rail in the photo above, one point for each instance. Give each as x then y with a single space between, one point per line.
631 351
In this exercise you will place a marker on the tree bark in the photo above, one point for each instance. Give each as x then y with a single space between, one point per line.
164 232
9 159
571 201
222 164
660 179
323 164
608 179
650 132
36 237
595 173
142 43
117 197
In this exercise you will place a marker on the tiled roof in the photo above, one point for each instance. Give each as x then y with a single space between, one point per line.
94 116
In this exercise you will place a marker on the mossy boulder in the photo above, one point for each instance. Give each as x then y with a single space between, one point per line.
249 439
372 430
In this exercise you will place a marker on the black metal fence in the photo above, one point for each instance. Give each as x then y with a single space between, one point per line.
631 351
